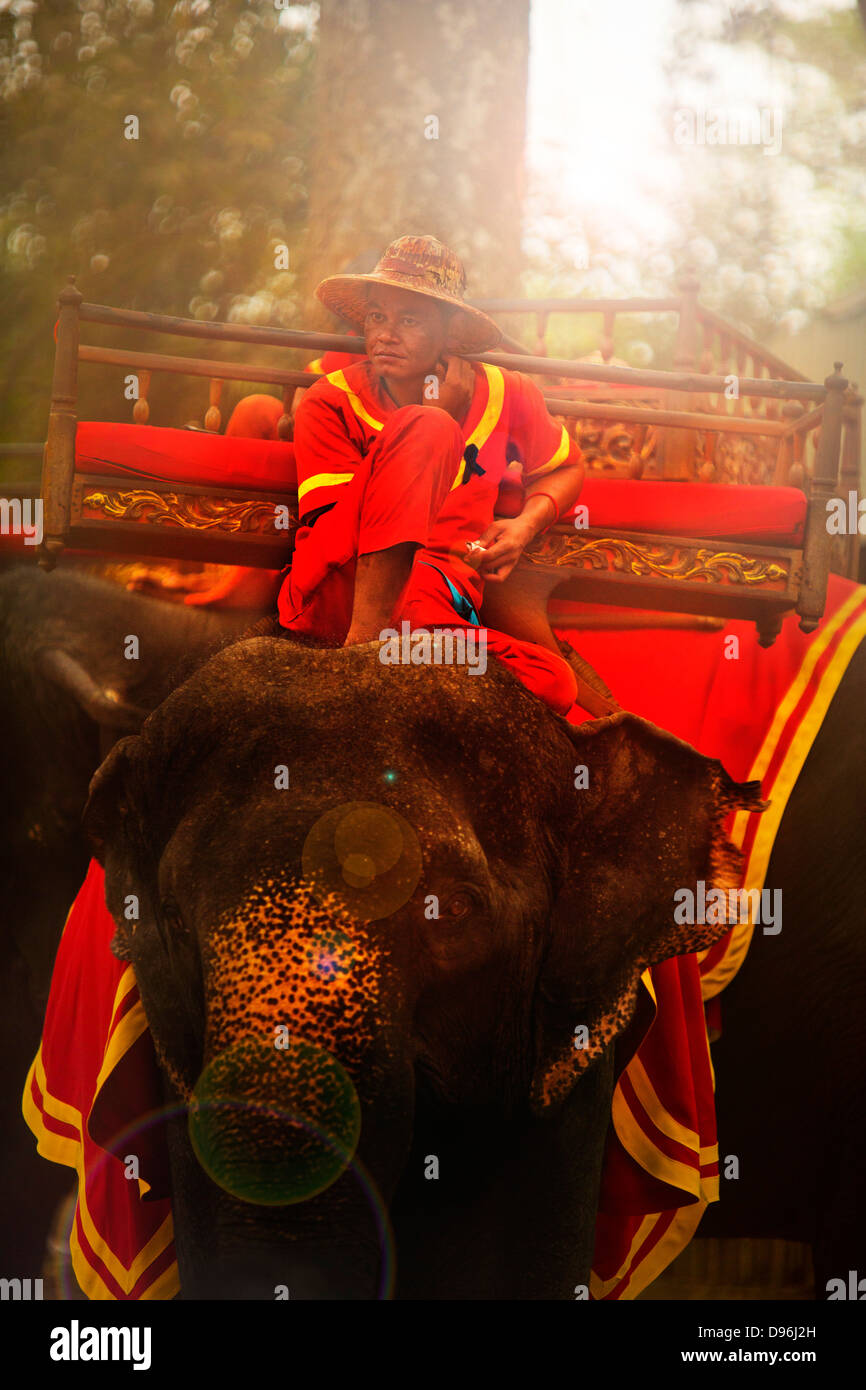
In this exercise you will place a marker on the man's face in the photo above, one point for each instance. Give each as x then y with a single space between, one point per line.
405 333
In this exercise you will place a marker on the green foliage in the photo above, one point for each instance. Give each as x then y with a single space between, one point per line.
186 218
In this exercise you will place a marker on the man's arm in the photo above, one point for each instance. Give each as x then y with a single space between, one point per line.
553 472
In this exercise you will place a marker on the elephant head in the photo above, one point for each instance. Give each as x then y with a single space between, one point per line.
369 895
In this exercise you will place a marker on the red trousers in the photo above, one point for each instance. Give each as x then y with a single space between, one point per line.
395 497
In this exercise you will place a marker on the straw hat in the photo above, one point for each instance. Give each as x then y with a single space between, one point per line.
421 264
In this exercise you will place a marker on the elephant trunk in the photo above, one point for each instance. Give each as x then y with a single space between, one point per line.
337 1248
300 1121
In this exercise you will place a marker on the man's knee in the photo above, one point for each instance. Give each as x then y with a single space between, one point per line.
437 426
422 443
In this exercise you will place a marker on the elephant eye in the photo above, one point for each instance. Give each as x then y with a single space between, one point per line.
171 918
460 904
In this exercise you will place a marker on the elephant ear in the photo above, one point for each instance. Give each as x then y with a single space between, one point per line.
111 824
649 821
119 821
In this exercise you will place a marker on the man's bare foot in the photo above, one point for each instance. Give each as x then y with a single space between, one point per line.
380 579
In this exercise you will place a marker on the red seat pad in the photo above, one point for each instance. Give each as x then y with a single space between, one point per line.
185 456
713 510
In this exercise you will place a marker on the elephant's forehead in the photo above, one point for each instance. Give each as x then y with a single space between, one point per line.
348 691
446 749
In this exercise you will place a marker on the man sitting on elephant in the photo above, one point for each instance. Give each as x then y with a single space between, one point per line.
400 461
407 461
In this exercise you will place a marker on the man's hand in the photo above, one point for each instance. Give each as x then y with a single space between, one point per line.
456 387
497 551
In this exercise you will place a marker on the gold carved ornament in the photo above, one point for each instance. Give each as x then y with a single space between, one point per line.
665 561
190 511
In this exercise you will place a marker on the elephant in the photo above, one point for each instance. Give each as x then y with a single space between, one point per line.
787 1002
397 870
67 693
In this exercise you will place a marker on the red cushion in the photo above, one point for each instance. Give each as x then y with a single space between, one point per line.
761 514
776 515
185 456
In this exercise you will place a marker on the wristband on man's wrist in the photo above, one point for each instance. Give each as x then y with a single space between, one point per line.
554 504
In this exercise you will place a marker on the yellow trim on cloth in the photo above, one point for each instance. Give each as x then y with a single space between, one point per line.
555 460
338 379
676 1238
792 765
323 480
489 419
70 1152
630 1134
646 1094
478 437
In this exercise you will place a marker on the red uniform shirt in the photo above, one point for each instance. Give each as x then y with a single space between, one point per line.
342 414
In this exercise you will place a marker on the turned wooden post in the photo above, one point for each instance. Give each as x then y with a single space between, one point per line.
818 542
678 446
607 333
141 409
849 472
285 424
783 462
213 416
58 459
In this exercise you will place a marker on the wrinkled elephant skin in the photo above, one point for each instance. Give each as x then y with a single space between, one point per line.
374 908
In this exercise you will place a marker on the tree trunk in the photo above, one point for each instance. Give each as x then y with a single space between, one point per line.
420 125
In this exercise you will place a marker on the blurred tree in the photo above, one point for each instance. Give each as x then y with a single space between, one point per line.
773 237
420 128
187 217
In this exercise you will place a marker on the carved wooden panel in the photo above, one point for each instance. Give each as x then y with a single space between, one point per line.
628 450
618 449
199 510
664 557
749 459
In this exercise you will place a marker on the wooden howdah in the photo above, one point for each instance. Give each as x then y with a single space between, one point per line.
793 428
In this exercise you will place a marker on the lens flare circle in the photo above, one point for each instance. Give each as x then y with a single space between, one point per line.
364 855
255 1145
156 1121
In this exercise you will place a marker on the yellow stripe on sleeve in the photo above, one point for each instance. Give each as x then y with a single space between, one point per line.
338 379
323 480
556 460
489 420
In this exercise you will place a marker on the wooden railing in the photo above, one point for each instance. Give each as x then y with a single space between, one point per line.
709 344
806 445
704 340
